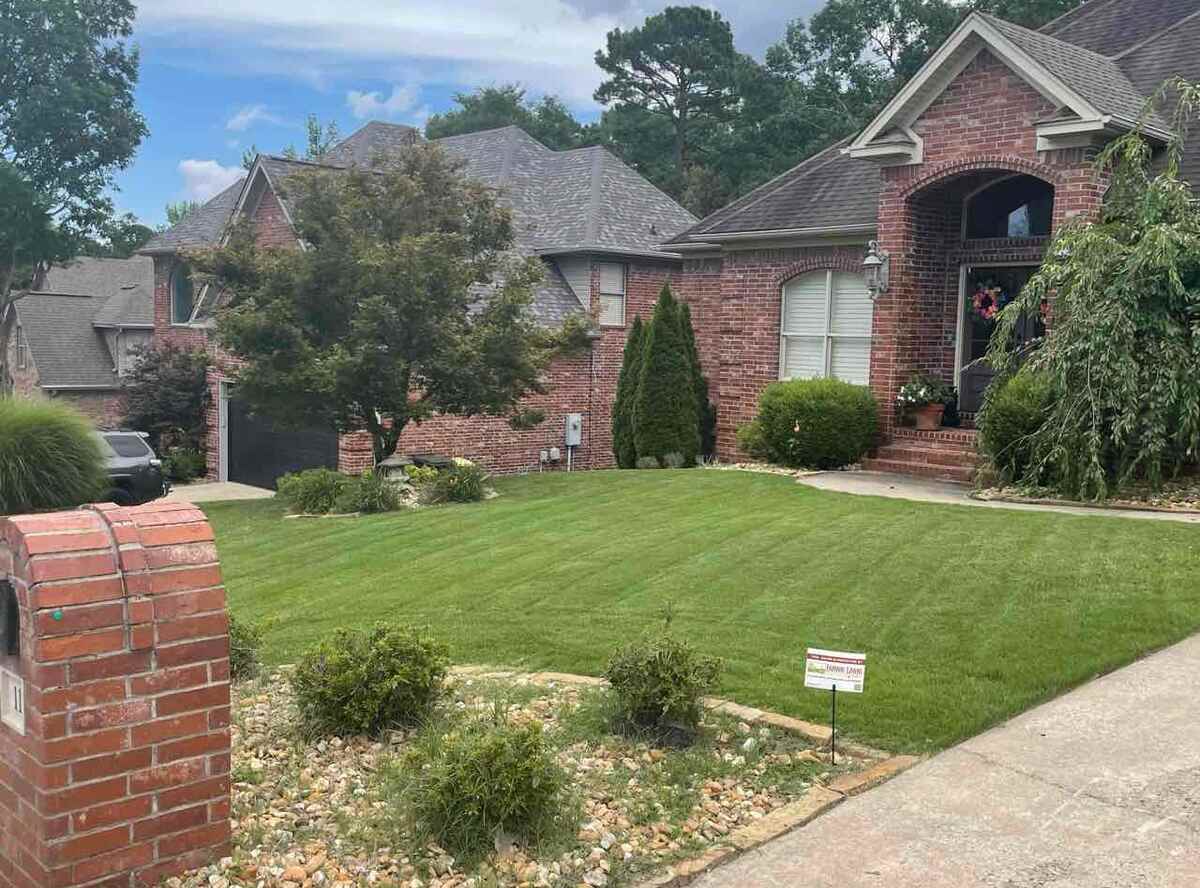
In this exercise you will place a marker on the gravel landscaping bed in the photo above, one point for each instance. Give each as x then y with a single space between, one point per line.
318 813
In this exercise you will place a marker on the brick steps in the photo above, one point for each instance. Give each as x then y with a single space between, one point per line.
942 455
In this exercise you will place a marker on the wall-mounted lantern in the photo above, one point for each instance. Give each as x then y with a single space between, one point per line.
876 269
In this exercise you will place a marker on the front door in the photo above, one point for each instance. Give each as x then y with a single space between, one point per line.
986 290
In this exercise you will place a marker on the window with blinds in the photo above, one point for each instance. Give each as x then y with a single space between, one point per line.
826 327
612 294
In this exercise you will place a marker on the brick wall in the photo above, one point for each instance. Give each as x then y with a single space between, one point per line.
738 300
122 775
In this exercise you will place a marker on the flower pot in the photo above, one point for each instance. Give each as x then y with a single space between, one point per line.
929 417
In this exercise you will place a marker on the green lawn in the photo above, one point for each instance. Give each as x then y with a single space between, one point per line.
967 615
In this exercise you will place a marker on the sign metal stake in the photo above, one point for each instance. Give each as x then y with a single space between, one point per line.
833 729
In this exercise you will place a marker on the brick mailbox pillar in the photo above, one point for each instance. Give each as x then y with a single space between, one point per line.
114 743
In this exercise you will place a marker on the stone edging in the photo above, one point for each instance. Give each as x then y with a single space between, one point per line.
793 815
1079 504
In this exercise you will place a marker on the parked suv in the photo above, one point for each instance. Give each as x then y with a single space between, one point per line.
134 472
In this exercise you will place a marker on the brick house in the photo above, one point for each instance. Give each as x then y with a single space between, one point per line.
594 222
74 338
961 181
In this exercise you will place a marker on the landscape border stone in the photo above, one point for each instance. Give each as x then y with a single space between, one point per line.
984 496
791 816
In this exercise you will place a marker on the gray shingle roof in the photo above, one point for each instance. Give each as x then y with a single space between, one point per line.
67 349
202 227
125 288
828 190
1097 78
1111 27
376 137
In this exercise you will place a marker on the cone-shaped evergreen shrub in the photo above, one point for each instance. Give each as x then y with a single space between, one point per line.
664 414
50 457
624 446
706 414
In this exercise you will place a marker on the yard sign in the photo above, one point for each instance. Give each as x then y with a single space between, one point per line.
834 671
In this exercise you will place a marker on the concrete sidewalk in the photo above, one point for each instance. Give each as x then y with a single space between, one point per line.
1097 789
215 491
926 491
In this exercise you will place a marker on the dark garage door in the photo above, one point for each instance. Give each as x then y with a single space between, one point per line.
259 453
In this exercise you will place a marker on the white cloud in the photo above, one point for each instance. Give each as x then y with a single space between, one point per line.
249 115
365 105
205 179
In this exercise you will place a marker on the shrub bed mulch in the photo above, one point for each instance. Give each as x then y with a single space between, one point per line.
316 814
1177 495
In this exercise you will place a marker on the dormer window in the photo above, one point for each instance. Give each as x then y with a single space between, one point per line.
183 299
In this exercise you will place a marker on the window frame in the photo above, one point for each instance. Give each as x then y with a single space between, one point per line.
827 335
22 348
624 294
179 269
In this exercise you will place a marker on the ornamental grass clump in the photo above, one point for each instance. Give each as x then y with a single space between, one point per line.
358 682
50 458
473 786
1122 356
658 684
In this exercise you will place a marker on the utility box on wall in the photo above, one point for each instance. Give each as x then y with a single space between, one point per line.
574 435
114 670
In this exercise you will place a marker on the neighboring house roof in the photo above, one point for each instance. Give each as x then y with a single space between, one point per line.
66 320
1111 54
580 201
201 227
125 286
67 349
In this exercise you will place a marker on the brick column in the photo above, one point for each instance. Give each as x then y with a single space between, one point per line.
121 777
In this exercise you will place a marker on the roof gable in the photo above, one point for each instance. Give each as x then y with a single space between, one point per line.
67 349
1093 93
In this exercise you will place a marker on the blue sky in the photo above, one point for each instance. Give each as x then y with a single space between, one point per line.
218 76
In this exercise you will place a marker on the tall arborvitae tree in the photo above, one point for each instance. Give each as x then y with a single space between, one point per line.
664 411
706 414
624 446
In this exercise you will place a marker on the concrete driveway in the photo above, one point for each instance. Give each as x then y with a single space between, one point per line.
213 491
1097 789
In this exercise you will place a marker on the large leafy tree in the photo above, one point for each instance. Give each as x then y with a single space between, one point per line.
406 302
490 107
1122 356
166 394
67 123
678 65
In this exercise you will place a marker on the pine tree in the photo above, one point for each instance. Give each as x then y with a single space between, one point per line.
706 414
664 413
624 446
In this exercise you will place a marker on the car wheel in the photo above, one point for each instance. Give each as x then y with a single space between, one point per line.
120 497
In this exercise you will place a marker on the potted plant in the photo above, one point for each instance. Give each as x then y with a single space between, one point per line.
926 399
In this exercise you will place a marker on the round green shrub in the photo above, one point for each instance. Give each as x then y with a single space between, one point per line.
1013 411
658 684
184 464
474 781
50 457
648 462
362 682
750 440
817 423
313 491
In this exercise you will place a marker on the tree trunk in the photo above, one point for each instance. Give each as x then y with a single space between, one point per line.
681 143
385 439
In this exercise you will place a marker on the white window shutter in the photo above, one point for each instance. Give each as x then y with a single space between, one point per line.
803 357
850 360
804 302
852 305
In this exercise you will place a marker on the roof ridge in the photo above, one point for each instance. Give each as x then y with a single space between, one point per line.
1171 27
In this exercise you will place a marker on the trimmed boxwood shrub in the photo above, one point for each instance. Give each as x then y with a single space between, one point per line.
50 457
817 423
313 491
1012 412
658 684
463 787
362 682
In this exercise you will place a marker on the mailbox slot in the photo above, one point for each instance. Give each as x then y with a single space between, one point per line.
10 621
